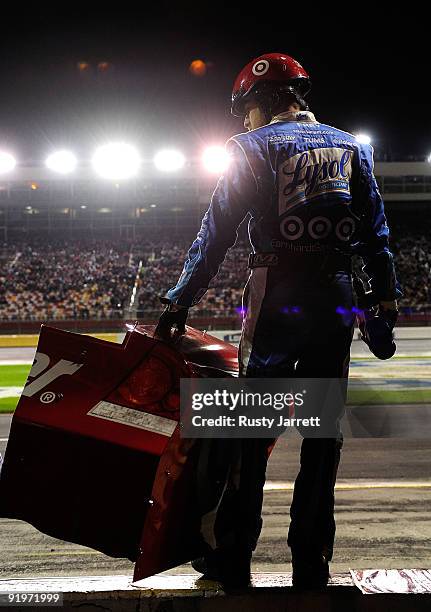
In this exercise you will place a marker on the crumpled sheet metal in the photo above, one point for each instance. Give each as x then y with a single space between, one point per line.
403 581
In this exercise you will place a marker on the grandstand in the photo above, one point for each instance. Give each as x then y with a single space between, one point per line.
88 252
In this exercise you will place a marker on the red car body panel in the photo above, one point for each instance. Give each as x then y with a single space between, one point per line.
94 454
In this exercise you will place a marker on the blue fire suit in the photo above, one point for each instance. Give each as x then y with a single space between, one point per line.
312 202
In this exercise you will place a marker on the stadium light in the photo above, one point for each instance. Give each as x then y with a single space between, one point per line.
169 160
116 161
429 158
215 159
62 162
363 138
7 162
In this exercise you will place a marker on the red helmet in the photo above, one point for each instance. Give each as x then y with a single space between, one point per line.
269 72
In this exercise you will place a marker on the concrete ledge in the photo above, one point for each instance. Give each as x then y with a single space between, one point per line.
187 593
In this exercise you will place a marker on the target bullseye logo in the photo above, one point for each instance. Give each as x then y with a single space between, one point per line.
47 397
292 227
345 228
260 67
319 227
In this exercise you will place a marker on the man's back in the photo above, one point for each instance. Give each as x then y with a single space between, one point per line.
306 175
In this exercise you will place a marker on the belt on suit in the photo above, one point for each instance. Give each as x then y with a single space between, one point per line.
329 262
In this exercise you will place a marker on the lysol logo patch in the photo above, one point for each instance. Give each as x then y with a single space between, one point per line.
312 173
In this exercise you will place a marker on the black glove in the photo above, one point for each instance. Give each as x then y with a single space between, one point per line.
375 323
376 331
173 315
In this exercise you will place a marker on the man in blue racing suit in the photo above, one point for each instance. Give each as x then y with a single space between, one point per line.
312 202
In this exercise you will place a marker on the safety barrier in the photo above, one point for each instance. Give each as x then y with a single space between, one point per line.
199 320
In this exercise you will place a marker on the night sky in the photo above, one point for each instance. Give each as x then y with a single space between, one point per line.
373 78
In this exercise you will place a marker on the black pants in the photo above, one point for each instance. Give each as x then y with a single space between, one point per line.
297 332
312 529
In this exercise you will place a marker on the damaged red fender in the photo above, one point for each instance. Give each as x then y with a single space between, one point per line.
94 454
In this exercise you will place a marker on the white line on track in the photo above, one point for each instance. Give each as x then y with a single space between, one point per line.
9 362
272 485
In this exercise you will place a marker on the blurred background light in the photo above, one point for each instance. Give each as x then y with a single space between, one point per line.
169 160
215 159
116 161
63 162
83 66
363 138
198 68
7 162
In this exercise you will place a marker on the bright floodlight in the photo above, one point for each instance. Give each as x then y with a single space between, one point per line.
215 159
7 162
116 161
63 162
429 158
169 160
363 138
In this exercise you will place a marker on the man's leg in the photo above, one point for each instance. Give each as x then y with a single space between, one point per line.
267 349
238 521
312 528
242 502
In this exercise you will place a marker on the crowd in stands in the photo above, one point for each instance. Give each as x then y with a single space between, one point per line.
71 279
163 266
93 279
413 262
